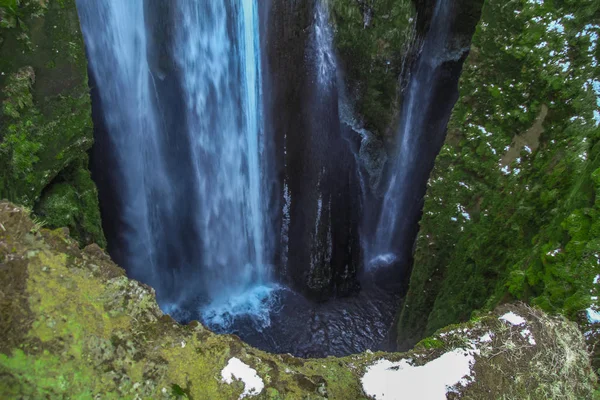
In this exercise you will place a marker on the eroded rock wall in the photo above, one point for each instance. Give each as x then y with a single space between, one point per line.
318 189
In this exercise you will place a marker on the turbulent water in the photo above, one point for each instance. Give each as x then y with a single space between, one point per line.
401 198
181 98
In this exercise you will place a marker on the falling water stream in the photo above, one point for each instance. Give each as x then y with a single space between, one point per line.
222 81
189 158
401 197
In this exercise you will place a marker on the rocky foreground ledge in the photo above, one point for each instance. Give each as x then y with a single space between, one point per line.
74 326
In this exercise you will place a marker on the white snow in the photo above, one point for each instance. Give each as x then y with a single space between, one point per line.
513 318
526 333
593 316
554 252
401 380
236 369
463 211
486 338
593 313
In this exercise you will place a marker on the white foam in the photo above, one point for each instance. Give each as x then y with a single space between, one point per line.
174 310
382 260
513 318
255 303
323 39
401 380
236 369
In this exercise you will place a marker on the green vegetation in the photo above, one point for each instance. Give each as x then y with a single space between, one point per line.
512 209
45 116
430 343
373 39
72 201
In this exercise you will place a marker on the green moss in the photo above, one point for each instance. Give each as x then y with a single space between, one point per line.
75 327
45 375
431 343
71 201
45 124
60 205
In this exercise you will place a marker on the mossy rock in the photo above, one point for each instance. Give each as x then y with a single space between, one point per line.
46 128
74 326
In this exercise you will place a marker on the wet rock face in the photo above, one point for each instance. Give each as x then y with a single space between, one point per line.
317 175
73 326
318 180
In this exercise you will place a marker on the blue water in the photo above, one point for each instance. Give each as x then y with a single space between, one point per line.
191 179
222 82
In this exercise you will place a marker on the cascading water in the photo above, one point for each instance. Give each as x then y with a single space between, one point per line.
317 234
183 113
403 195
319 238
324 62
222 79
324 69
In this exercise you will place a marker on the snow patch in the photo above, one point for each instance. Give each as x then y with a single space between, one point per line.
402 380
526 333
513 318
486 338
593 316
236 369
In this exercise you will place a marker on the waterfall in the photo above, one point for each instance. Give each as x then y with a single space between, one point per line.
325 60
180 88
116 44
324 69
403 195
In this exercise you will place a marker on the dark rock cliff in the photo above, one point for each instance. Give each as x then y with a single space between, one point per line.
378 45
318 185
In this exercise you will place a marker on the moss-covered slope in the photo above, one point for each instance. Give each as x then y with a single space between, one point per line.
45 116
74 326
512 209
